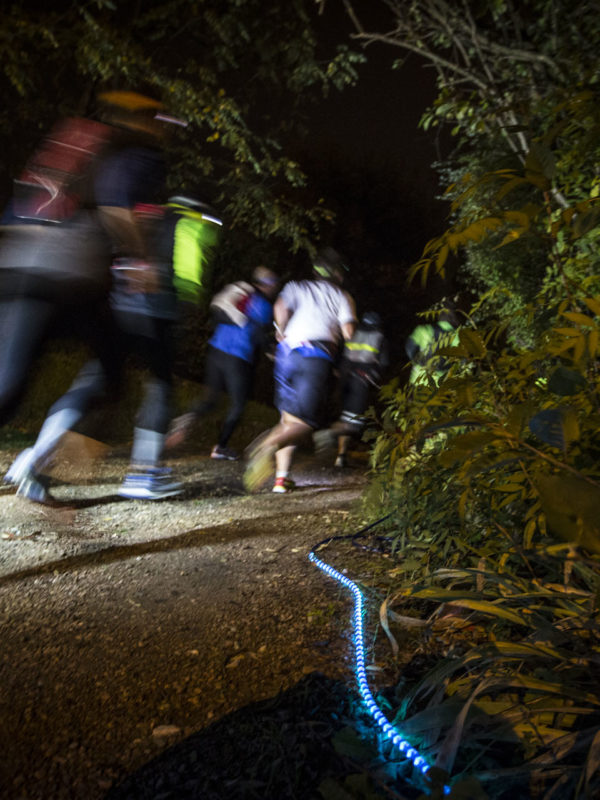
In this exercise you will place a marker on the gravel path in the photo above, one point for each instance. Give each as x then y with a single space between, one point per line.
128 626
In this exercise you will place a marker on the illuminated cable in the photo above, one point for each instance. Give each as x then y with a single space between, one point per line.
396 738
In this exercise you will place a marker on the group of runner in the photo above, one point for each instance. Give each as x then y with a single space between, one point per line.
316 332
81 256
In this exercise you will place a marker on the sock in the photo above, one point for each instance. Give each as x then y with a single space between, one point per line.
52 431
147 447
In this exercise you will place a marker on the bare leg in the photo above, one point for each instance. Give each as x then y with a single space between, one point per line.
289 430
343 442
280 444
283 459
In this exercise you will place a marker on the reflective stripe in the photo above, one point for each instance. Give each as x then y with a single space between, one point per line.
364 347
361 346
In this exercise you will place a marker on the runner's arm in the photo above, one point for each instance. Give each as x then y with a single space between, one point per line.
281 315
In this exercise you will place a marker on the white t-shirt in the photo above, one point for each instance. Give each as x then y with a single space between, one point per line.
319 309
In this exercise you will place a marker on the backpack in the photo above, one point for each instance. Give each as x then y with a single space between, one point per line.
56 181
190 234
50 233
231 303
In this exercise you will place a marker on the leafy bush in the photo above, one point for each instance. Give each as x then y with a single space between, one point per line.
493 478
513 687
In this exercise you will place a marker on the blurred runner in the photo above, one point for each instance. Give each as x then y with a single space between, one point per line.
312 318
364 359
423 344
243 314
55 257
128 185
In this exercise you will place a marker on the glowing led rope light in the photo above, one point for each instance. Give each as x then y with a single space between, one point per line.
359 647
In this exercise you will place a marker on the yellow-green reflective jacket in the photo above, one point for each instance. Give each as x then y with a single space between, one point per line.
421 347
195 238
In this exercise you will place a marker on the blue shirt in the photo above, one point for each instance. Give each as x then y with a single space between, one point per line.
244 341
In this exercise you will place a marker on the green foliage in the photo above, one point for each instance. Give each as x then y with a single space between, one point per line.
528 228
494 263
493 474
520 675
488 441
494 481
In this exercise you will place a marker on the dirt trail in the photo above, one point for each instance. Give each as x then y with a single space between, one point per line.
127 626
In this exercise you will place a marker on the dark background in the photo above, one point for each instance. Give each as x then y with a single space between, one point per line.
366 155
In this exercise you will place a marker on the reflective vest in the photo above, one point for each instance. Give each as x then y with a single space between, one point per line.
364 347
195 239
421 347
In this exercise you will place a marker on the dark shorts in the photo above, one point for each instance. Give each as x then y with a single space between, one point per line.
301 385
356 392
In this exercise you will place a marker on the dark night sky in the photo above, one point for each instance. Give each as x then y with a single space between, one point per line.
379 116
370 132
374 125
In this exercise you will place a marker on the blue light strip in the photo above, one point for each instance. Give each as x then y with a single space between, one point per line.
359 647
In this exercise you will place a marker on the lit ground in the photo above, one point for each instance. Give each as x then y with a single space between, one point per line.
128 626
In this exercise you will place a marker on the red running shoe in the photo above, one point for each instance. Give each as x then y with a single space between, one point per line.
283 485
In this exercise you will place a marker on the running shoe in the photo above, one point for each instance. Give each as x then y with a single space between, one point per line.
34 487
20 467
341 461
151 484
224 453
260 468
283 485
256 444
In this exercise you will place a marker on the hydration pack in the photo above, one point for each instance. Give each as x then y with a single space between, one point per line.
196 231
51 232
231 303
57 180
